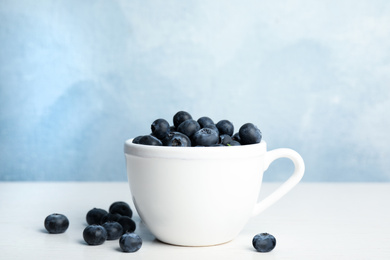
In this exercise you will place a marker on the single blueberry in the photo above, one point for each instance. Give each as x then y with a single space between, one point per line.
213 127
130 242
205 137
264 242
121 208
249 134
109 217
204 121
225 127
188 127
177 139
225 139
114 230
136 140
150 140
180 117
56 223
127 223
234 143
95 235
236 137
95 215
160 128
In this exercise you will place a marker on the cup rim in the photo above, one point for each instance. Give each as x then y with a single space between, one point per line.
191 153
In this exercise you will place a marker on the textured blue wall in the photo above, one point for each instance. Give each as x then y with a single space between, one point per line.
78 78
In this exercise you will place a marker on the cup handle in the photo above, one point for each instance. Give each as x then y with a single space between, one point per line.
299 169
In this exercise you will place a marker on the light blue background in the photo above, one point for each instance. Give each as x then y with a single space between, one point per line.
78 78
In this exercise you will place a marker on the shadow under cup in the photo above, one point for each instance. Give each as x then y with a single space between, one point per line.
201 196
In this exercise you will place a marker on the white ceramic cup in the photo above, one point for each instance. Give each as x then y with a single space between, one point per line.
202 196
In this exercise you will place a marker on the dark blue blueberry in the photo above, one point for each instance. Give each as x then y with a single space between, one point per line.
56 223
130 242
95 235
95 215
264 242
205 137
121 208
225 139
109 217
180 117
160 128
177 139
225 127
150 140
234 143
136 140
236 137
204 121
127 223
249 134
188 127
114 230
213 127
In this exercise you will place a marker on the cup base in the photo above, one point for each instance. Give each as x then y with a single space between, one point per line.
195 245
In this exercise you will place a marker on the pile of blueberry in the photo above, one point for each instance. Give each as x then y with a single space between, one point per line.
187 132
116 223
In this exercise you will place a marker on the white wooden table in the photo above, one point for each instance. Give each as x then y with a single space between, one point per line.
314 221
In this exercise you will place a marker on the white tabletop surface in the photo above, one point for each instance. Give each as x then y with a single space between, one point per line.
313 221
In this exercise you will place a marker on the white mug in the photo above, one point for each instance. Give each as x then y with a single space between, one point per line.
202 196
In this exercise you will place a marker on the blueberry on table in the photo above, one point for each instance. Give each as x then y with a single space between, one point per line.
122 208
205 137
160 128
109 217
130 242
188 127
180 117
127 223
204 121
177 139
225 127
249 134
95 215
95 235
150 140
114 230
56 223
264 242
